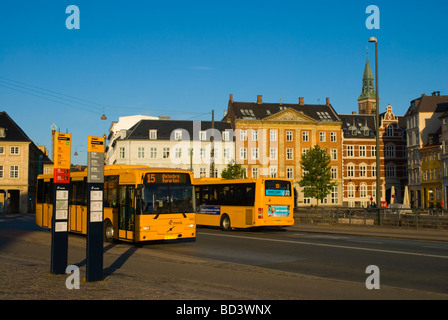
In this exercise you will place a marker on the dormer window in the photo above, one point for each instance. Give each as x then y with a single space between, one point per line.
2 132
153 134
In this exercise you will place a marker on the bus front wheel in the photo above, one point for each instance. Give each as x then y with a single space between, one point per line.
108 231
225 222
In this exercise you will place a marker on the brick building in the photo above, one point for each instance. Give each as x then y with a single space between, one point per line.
270 139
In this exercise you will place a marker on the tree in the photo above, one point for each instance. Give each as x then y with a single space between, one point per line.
233 171
316 181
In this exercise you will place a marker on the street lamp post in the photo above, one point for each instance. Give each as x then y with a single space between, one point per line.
377 128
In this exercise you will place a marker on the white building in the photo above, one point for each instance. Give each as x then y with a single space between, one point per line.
173 144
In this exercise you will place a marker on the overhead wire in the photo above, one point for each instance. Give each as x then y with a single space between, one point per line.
80 103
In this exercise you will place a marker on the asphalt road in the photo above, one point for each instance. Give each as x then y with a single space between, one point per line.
419 265
262 264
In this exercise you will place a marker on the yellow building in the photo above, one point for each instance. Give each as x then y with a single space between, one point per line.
20 159
270 139
432 173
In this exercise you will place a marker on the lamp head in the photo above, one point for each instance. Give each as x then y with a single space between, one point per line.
373 39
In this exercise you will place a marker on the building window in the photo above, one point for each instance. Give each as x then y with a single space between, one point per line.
390 151
202 172
273 135
2 150
335 195
254 153
14 150
390 131
226 153
350 171
304 151
153 153
273 153
178 153
350 151
141 152
1 171
322 136
202 135
351 191
334 172
14 172
363 170
333 137
373 151
254 135
373 170
202 153
243 135
225 136
254 173
334 154
290 173
243 153
273 172
391 170
363 190
362 151
306 200
289 153
122 153
177 135
153 134
305 136
166 153
289 136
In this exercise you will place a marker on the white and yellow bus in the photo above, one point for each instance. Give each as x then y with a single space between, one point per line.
140 203
244 203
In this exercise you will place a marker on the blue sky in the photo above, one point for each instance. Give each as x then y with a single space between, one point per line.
183 58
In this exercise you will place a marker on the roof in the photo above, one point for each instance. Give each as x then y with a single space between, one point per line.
260 111
358 125
434 103
12 131
165 128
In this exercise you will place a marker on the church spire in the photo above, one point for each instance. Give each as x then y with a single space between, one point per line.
366 101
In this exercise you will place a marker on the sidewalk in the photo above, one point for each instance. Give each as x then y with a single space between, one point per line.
374 231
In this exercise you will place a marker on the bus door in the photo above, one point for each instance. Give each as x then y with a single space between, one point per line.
126 217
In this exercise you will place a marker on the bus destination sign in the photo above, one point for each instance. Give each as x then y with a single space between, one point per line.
163 178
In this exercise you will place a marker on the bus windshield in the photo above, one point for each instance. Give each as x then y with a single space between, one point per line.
161 199
277 188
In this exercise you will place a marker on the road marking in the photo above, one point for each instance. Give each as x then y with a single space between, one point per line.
329 245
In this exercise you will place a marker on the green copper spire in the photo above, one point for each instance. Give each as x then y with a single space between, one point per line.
368 89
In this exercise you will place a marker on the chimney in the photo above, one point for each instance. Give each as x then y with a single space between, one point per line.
353 112
259 99
301 101
231 98
328 102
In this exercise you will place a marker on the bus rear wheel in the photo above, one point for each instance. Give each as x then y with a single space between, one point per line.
225 223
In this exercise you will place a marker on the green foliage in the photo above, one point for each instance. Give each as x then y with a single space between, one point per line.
233 171
316 181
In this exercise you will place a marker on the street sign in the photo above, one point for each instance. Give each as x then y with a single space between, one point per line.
61 187
95 189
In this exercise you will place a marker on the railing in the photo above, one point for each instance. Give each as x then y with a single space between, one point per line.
403 218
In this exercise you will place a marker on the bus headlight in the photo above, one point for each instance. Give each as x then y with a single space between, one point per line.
146 228
191 225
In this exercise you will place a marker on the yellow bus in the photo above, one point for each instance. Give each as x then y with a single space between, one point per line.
140 203
244 203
